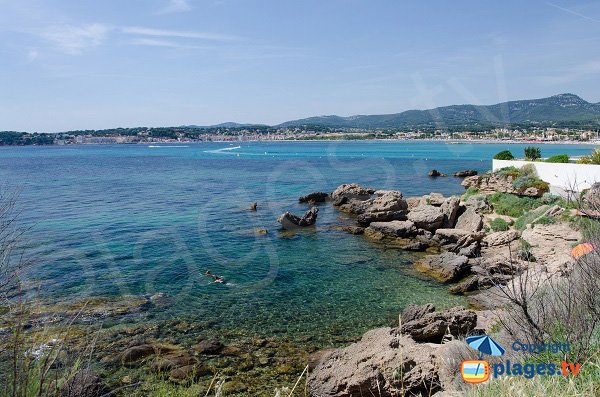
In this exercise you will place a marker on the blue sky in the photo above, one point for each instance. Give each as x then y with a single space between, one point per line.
86 64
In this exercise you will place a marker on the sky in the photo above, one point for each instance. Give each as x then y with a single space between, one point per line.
89 64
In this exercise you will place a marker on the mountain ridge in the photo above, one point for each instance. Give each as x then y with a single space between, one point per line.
544 111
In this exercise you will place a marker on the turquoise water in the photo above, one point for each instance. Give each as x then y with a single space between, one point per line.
134 219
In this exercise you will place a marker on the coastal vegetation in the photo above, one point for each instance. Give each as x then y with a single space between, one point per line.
532 153
593 158
504 155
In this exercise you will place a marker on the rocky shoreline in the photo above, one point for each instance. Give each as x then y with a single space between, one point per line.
463 253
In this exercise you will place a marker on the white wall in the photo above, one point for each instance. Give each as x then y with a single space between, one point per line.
560 176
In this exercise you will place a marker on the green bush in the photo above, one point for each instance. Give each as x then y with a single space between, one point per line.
504 155
509 171
472 191
549 198
512 205
559 158
499 225
532 153
593 158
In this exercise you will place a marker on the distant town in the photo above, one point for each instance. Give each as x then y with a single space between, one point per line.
265 133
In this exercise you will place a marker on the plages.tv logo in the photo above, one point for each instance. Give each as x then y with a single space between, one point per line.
478 371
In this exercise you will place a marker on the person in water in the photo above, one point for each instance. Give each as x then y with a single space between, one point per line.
216 279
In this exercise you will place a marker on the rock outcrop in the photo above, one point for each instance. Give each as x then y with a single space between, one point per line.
446 267
493 182
470 221
435 173
313 198
426 217
290 221
432 326
402 229
465 173
351 191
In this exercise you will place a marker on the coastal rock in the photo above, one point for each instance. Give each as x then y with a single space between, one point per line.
426 217
290 221
369 217
393 229
551 244
446 267
470 221
413 312
500 238
449 209
208 347
465 173
414 202
417 246
188 373
449 236
433 326
436 199
253 206
350 191
493 182
479 203
171 361
85 383
136 353
313 198
435 173
364 367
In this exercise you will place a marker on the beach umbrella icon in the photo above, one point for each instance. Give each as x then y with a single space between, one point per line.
582 249
485 344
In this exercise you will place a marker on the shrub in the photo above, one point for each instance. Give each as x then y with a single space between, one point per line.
549 198
499 225
529 170
509 171
472 191
559 158
512 205
532 153
593 158
504 155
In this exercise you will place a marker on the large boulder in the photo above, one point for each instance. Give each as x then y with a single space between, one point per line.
388 206
470 221
479 203
446 267
450 208
401 229
449 236
435 199
432 327
426 217
290 221
381 363
315 197
413 312
494 182
500 238
551 244
350 191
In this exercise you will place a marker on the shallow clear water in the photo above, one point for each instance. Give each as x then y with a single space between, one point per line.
136 219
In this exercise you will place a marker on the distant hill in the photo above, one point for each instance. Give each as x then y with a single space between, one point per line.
557 110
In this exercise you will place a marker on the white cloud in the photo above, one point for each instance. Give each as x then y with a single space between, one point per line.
178 33
174 6
32 55
74 39
163 43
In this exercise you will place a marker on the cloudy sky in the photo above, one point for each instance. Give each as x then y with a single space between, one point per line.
84 64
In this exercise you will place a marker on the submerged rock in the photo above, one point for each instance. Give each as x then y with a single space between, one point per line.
136 353
208 347
291 221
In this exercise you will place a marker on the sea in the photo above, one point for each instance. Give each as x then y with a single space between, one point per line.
121 220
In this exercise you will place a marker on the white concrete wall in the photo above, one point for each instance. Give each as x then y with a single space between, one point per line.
560 176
